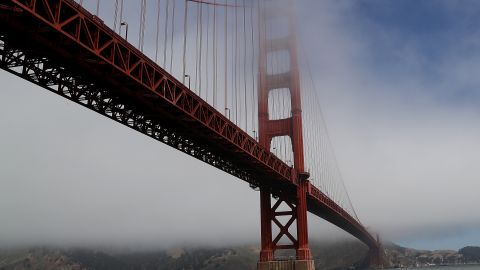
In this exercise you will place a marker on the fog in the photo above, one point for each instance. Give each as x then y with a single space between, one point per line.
400 97
401 104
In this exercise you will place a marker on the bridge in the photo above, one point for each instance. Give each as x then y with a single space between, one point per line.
243 114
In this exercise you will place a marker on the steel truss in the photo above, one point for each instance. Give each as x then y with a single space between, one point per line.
59 80
138 93
61 47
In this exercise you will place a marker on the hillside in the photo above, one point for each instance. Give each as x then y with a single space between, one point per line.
397 256
328 256
231 258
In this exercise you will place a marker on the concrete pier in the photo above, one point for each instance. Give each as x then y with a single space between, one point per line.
287 265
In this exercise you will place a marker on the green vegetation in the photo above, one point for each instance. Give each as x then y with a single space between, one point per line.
471 253
328 256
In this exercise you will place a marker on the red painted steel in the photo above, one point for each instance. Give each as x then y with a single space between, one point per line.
60 46
292 127
88 31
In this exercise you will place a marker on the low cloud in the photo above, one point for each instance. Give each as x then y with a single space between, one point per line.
403 123
405 132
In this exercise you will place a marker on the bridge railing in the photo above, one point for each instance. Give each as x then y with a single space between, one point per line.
82 27
320 196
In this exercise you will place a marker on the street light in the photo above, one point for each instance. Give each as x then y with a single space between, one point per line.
289 162
188 76
126 29
227 110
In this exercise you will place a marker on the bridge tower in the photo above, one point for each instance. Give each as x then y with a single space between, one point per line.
375 256
274 12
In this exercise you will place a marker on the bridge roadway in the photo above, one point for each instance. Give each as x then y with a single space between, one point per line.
61 47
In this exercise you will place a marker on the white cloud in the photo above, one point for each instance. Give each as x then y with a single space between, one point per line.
409 155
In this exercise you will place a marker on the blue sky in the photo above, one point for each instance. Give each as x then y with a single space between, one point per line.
398 80
434 30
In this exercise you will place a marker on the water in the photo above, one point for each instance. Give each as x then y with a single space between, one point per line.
453 267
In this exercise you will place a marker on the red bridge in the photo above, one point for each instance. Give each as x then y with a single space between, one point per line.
237 59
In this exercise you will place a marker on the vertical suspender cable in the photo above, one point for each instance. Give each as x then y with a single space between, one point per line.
185 41
253 72
98 8
233 69
115 16
171 38
285 141
214 60
201 52
196 47
261 28
121 16
245 64
226 59
158 30
207 55
142 24
165 36
236 63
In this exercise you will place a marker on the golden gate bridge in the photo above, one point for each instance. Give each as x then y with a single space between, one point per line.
220 80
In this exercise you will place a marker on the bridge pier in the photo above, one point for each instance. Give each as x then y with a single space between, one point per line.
269 216
374 259
375 256
287 265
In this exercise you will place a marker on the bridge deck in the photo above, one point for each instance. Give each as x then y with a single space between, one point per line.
59 46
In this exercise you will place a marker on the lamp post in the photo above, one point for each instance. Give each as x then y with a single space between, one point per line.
227 110
188 76
126 29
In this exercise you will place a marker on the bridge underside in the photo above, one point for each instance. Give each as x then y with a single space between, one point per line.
37 52
41 55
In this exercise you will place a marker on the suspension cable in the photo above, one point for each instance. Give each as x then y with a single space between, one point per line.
171 38
214 60
226 60
165 40
141 36
245 64
201 52
196 47
185 41
115 16
97 13
207 55
214 3
158 30
253 74
236 65
121 17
